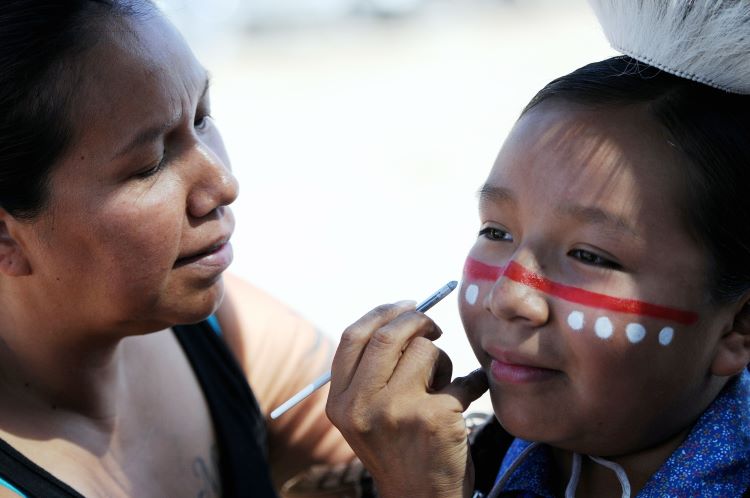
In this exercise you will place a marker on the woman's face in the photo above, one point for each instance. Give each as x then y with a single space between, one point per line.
584 297
136 232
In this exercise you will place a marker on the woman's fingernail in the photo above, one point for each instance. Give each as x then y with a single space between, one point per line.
408 303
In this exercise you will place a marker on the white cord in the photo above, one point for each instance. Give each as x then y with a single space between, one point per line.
619 472
575 474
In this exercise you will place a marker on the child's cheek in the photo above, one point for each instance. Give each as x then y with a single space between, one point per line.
476 284
471 306
470 293
589 316
603 325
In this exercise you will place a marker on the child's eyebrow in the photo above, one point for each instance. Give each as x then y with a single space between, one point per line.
608 221
493 193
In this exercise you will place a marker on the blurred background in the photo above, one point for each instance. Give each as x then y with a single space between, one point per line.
360 131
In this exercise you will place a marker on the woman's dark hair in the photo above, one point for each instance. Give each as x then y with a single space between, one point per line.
39 43
711 128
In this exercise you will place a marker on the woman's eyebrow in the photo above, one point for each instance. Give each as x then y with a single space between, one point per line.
151 133
206 85
148 135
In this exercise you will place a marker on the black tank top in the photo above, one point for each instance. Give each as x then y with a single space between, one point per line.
238 425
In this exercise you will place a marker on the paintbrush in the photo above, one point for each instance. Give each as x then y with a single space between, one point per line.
325 378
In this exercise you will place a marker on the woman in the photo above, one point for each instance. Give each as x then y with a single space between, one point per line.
114 228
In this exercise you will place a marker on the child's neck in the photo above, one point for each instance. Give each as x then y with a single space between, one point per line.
601 482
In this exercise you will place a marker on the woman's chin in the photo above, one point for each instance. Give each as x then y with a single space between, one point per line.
196 305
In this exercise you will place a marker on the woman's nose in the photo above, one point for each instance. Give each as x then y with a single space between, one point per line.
514 300
213 184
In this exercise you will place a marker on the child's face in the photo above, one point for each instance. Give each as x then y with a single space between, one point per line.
584 297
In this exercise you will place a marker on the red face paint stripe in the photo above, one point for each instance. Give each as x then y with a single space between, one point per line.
476 270
514 271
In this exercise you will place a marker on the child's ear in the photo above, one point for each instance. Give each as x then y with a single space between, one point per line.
733 354
13 260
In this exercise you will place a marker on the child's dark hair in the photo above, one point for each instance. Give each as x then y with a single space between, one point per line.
39 43
711 128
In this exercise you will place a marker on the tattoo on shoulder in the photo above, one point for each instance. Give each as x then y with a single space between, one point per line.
207 473
320 341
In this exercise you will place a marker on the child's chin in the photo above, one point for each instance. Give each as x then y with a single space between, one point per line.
526 424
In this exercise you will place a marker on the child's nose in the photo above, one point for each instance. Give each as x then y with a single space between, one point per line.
516 301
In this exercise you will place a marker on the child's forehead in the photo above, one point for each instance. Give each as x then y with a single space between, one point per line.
618 161
580 138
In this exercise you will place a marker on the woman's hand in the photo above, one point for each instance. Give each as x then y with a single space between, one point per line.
392 399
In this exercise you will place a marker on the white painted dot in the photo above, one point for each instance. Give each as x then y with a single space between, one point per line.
665 335
603 327
575 320
635 332
472 292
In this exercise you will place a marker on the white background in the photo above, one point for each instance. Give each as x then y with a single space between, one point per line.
360 141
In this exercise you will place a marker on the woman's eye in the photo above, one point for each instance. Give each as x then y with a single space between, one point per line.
495 234
152 170
201 122
590 258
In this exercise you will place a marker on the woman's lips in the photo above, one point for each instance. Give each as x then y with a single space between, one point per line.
517 373
216 257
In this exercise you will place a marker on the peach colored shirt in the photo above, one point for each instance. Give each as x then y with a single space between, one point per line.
281 352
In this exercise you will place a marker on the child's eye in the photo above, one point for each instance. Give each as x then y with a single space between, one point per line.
495 234
590 258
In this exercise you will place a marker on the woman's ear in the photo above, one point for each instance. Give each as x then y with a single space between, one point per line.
13 260
733 353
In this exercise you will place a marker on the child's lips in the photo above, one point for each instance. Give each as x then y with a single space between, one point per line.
514 373
515 368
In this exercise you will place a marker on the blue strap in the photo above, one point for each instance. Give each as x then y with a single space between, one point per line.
214 323
11 487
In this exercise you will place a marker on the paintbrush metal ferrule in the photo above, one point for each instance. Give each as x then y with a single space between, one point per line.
437 296
325 378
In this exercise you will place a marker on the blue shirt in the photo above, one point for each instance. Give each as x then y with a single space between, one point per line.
714 459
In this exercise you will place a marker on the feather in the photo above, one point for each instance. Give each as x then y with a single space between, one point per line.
703 40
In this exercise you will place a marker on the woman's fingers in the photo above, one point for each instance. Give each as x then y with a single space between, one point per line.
465 390
393 401
423 367
442 372
385 350
355 339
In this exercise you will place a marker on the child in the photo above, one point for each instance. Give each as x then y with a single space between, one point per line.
606 296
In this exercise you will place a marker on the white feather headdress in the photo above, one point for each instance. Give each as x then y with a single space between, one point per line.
702 40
